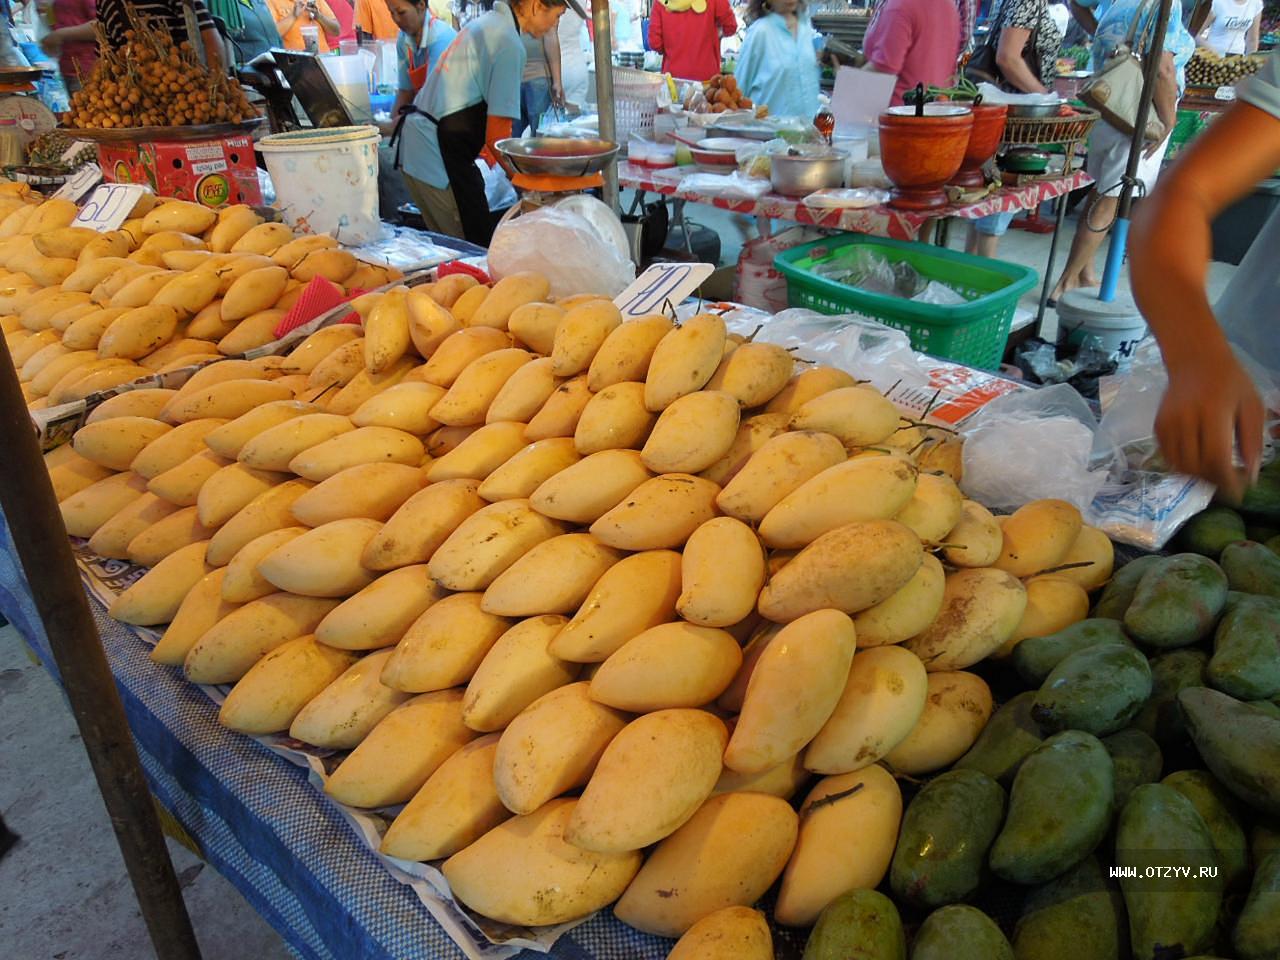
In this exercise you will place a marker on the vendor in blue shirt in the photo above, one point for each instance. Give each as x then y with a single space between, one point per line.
778 63
469 103
422 40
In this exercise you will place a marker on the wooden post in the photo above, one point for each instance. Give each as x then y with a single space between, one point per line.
45 553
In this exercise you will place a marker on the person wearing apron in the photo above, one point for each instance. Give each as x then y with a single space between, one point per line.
1211 406
423 39
469 102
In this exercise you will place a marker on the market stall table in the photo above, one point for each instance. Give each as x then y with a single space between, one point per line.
880 221
258 820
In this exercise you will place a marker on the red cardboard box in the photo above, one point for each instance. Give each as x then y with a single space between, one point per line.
212 172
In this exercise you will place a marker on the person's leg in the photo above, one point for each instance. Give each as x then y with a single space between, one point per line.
985 233
438 208
536 101
526 104
1093 227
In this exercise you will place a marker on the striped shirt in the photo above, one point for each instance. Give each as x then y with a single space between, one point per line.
114 17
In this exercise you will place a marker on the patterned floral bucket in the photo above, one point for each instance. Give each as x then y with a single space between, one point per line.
327 180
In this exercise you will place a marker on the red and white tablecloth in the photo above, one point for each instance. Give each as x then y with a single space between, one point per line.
881 221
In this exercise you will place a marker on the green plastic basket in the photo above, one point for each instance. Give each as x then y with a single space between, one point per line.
973 333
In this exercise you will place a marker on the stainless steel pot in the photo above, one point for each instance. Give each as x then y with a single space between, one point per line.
799 176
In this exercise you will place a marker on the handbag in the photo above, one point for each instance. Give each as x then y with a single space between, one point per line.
1115 91
983 65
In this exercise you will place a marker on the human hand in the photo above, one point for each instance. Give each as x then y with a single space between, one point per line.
298 7
1153 148
557 94
1206 410
51 42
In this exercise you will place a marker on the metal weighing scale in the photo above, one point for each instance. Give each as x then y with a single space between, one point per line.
548 168
562 171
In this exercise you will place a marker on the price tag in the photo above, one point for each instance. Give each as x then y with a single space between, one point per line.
1225 93
109 206
661 284
80 183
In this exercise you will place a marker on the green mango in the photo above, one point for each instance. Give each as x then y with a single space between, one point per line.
1262 532
1170 915
1221 814
1246 651
1177 603
1119 591
1097 690
1263 498
1264 840
1252 568
1059 809
1239 743
960 933
1269 707
946 833
1273 544
1035 657
1078 916
1137 760
1005 741
1257 933
860 925
1238 598
1210 530
1160 717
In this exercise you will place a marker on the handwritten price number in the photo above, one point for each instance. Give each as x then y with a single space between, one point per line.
1225 93
661 283
80 183
109 206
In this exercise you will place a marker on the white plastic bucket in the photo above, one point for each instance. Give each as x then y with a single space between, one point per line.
326 180
1119 329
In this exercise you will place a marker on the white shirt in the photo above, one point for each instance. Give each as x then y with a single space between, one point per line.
1230 27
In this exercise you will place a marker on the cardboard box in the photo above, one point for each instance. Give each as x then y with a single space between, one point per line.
212 172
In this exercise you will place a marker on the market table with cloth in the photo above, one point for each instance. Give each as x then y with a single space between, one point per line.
880 221
260 823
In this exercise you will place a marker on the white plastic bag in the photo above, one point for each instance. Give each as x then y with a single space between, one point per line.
733 186
1033 445
497 186
565 248
869 350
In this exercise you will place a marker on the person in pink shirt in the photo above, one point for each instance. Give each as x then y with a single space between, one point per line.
918 41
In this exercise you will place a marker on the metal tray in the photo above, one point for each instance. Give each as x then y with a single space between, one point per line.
557 156
206 131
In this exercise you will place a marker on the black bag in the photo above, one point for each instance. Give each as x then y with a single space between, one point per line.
983 67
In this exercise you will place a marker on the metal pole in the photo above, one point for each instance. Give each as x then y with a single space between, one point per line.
1120 231
603 43
32 514
1053 256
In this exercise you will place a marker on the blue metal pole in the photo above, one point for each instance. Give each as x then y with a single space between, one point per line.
1152 56
1115 259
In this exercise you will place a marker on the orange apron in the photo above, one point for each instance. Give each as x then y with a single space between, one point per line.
418 75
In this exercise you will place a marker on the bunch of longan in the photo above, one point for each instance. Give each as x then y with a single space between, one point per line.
154 83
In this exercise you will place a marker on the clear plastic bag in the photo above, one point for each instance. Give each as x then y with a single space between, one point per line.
846 198
859 345
862 267
732 186
1032 445
565 248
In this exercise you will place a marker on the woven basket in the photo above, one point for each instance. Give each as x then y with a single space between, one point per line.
1042 131
635 100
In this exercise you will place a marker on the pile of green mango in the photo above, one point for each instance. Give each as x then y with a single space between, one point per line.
1129 796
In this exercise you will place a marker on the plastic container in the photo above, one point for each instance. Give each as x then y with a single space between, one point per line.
350 76
973 333
1118 325
327 180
